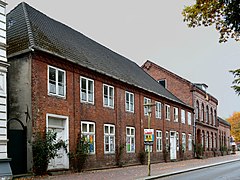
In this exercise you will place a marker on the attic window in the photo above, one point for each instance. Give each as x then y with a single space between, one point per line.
11 22
163 82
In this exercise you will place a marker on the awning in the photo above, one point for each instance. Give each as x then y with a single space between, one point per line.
5 169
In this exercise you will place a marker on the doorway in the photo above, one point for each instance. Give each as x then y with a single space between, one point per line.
173 145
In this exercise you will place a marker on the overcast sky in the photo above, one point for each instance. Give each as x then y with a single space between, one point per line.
154 30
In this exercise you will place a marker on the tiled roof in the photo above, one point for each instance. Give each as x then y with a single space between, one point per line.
29 29
223 121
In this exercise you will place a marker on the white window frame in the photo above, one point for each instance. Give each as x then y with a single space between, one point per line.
88 92
109 96
87 134
167 112
57 70
175 114
167 140
183 116
132 137
184 142
146 101
189 142
177 140
159 141
189 118
129 103
108 135
158 112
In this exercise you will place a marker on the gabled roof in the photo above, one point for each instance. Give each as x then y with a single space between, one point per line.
224 121
28 29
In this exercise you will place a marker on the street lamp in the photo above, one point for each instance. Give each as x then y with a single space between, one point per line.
149 141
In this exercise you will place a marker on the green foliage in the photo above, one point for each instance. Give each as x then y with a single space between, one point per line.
236 82
142 156
44 148
224 14
80 156
198 148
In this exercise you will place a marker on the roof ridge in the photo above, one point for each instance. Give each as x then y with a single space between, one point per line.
29 29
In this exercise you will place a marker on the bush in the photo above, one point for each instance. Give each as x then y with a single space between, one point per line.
142 156
81 154
44 148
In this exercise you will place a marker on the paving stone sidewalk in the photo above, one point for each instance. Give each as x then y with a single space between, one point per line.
140 171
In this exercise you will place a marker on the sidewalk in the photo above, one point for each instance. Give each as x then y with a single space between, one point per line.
140 172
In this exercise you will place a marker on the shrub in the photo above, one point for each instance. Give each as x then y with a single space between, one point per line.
142 156
81 154
44 148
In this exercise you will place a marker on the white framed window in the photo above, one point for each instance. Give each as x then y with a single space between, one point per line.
177 140
130 139
109 138
167 141
175 114
3 84
189 118
146 101
158 112
184 142
207 140
87 90
108 96
158 141
146 148
129 101
167 112
88 132
183 116
189 142
56 81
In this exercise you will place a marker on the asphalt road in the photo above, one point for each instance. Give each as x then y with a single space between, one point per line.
229 171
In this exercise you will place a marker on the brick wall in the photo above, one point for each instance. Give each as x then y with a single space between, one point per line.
70 106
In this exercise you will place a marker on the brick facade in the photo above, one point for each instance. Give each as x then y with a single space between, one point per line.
206 125
70 106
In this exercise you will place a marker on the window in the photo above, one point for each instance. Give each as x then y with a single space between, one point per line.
184 142
202 113
159 140
167 141
146 101
56 81
108 96
146 148
207 140
189 118
163 82
214 117
197 110
167 110
177 140
158 110
88 132
183 116
129 102
189 142
207 114
175 114
211 116
87 90
109 138
130 139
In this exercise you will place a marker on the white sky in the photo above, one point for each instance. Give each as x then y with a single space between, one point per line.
154 30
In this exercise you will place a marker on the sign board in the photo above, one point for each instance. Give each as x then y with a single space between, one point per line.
148 136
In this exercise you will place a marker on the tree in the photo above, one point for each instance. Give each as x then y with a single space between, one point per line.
224 14
236 82
234 120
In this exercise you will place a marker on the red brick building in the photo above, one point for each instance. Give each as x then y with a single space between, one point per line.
195 95
63 81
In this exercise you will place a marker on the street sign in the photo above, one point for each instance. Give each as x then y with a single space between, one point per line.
148 136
